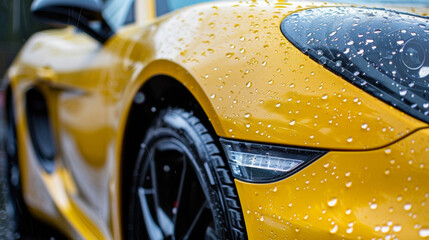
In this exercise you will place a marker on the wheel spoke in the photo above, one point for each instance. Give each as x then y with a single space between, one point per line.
180 190
196 220
165 222
154 185
172 199
155 232
191 196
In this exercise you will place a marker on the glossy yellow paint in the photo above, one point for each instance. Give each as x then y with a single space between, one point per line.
378 194
252 84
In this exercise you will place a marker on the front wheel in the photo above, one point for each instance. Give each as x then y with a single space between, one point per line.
181 186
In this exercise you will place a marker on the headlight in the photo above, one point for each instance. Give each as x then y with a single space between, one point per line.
386 53
262 163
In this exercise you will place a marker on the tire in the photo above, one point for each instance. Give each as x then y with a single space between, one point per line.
182 187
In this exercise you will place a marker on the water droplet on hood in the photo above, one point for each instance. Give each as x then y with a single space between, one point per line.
407 206
229 55
424 232
397 228
332 202
333 229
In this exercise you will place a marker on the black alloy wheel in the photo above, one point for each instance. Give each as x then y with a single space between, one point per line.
181 186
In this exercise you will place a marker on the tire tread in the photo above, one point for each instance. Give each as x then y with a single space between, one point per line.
223 175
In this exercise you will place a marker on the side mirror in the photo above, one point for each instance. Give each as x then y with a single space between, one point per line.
84 14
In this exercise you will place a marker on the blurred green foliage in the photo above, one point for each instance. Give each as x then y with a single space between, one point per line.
16 26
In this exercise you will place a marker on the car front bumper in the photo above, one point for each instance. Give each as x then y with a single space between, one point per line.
380 193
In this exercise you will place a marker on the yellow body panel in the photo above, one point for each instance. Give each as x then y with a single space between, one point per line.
253 85
380 194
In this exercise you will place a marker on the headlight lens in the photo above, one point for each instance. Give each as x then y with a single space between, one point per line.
262 163
386 53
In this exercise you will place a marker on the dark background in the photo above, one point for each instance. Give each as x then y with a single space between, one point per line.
16 26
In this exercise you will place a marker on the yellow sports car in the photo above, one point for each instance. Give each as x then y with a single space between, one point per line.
222 120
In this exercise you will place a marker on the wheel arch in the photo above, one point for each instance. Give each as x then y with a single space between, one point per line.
158 92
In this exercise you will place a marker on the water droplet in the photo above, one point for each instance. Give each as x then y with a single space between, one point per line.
400 42
349 230
262 218
403 92
247 115
350 139
334 229
277 105
249 84
407 206
373 206
139 98
364 126
424 232
292 122
387 151
213 95
229 55
348 211
338 63
385 229
349 184
325 96
275 189
397 228
332 202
